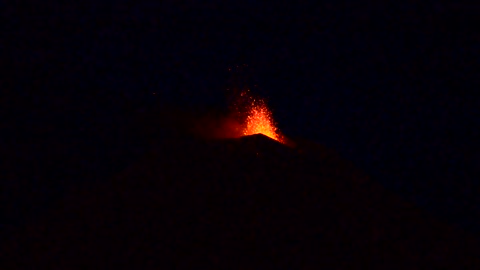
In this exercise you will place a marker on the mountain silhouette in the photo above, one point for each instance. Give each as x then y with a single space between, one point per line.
237 203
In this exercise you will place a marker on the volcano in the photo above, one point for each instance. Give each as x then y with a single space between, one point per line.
240 202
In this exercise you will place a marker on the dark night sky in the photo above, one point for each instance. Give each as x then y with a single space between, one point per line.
389 87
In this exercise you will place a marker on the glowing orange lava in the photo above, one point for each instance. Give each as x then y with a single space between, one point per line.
259 120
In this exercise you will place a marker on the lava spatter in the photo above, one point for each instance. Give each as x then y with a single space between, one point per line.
258 119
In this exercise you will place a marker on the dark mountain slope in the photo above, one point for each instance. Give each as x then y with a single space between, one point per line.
247 202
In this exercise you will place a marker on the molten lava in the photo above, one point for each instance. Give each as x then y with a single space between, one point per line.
259 120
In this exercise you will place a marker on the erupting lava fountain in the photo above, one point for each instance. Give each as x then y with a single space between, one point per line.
259 120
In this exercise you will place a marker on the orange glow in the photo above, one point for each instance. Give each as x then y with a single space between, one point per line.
259 120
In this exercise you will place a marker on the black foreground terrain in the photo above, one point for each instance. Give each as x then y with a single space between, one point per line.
239 203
